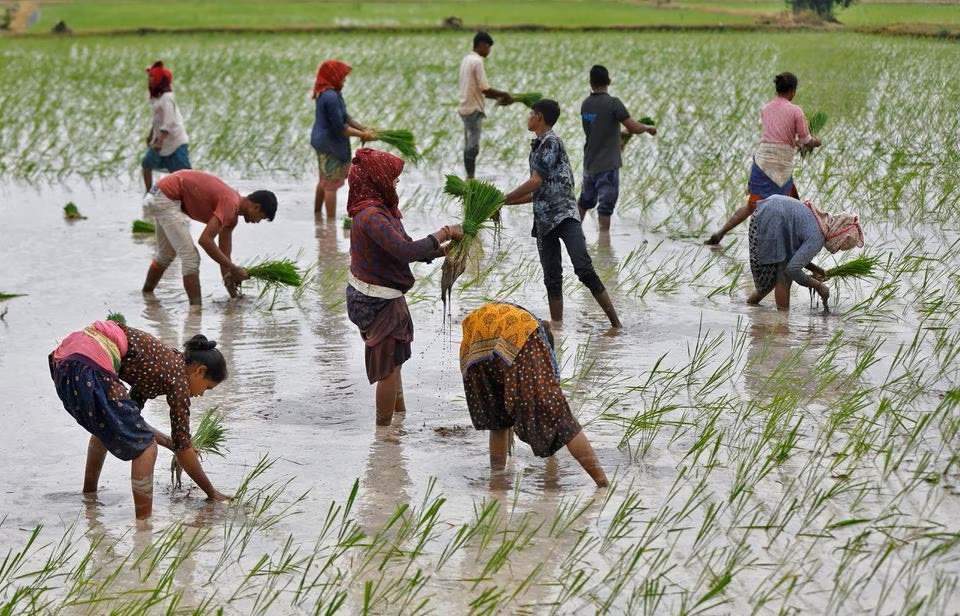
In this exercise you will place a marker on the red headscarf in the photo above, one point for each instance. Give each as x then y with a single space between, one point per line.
372 180
160 79
330 75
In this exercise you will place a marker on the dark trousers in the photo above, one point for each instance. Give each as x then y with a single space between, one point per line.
570 232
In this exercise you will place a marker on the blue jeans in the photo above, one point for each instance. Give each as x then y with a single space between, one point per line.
603 187
570 232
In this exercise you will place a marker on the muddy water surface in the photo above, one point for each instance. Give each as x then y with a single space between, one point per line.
297 391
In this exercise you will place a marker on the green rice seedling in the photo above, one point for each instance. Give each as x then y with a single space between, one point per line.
647 120
280 272
5 296
527 98
347 222
455 186
816 122
403 141
71 212
117 317
143 226
207 439
861 267
274 275
481 200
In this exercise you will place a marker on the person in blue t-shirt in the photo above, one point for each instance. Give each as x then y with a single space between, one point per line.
602 116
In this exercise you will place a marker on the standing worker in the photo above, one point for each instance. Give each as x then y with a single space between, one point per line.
784 130
473 89
380 256
167 140
602 115
555 215
330 136
203 197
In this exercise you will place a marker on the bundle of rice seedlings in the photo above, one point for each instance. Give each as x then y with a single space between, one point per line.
861 267
481 200
143 226
647 120
275 273
455 186
527 98
5 296
71 212
816 122
208 438
347 222
117 317
403 141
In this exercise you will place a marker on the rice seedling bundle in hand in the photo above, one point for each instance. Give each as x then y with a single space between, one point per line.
816 122
143 226
861 267
527 98
117 317
403 141
71 212
208 438
276 273
647 120
481 200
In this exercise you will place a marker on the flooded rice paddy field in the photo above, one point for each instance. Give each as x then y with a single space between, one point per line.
761 462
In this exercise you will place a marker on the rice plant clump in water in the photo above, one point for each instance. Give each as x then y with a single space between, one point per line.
117 317
481 200
71 212
143 226
5 296
402 140
208 438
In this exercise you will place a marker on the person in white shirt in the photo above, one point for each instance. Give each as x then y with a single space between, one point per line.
167 140
473 89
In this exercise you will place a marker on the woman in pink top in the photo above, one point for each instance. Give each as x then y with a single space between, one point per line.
784 131
89 369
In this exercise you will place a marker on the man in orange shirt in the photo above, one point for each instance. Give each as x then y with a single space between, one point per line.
185 195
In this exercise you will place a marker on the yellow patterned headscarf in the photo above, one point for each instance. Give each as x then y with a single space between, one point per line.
495 329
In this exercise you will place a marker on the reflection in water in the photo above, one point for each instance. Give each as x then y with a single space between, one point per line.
768 346
385 482
335 335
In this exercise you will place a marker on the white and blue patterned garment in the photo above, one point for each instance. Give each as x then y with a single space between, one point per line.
784 231
554 201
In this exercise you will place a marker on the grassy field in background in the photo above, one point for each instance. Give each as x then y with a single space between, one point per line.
97 15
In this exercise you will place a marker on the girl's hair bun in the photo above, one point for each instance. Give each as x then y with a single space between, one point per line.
200 343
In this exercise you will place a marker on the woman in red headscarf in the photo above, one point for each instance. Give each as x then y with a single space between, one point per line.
332 129
167 142
380 257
